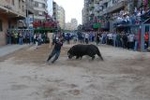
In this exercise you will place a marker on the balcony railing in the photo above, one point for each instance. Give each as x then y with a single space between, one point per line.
12 9
103 12
103 1
116 6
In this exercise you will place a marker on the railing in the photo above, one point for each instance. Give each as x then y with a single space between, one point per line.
9 7
116 6
103 1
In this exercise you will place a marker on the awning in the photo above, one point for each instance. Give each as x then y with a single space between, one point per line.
43 30
96 25
10 13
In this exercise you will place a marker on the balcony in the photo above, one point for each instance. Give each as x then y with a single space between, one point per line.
103 12
103 1
91 1
97 1
11 10
29 7
116 6
8 12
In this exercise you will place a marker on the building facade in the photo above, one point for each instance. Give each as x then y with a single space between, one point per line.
11 11
55 10
106 11
68 26
29 14
72 25
40 8
59 15
85 14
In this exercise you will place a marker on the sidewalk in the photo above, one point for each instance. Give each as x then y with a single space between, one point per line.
10 49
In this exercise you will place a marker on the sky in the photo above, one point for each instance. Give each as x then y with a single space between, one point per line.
73 9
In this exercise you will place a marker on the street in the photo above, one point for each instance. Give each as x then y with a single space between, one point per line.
123 75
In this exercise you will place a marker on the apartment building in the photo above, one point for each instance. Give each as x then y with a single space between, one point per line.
29 14
102 10
72 25
84 16
59 15
85 12
11 11
55 10
106 10
40 8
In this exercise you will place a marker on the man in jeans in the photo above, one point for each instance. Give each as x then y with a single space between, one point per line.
57 44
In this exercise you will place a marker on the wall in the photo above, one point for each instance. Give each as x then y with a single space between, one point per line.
5 26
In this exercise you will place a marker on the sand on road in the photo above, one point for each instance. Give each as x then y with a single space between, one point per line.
123 75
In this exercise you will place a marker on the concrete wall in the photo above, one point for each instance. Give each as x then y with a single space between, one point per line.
4 27
9 13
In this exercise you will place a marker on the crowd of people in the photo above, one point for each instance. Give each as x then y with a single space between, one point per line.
124 40
25 37
117 39
126 18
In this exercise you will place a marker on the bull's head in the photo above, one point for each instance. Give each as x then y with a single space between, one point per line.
69 54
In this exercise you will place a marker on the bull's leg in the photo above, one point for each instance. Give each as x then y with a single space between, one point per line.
77 57
91 54
93 57
80 57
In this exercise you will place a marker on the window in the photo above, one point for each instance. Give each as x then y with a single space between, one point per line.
36 4
19 4
43 5
13 2
36 12
40 13
40 5
23 8
1 26
31 19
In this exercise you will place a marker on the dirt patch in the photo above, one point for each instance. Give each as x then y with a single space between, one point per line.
123 75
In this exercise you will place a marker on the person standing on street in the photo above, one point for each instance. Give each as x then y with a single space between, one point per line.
86 38
56 45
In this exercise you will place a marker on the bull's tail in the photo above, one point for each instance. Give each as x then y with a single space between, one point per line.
99 54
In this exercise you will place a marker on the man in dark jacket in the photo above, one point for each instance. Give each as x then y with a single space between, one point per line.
57 44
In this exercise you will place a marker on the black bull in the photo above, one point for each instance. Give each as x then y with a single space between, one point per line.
80 50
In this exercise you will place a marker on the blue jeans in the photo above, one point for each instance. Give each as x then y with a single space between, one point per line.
20 41
136 46
9 40
55 53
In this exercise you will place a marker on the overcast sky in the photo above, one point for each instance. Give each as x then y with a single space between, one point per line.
73 9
